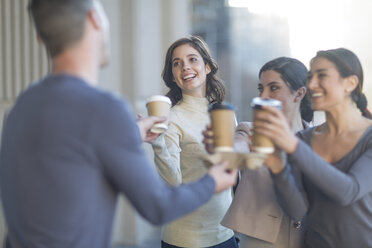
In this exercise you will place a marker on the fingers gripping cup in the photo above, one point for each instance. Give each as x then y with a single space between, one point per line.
223 126
261 143
159 106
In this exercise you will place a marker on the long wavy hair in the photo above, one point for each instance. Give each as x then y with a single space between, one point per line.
348 64
294 74
215 89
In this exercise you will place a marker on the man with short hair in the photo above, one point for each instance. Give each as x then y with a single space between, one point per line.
68 148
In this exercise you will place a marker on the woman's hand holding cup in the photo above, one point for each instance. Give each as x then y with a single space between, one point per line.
208 139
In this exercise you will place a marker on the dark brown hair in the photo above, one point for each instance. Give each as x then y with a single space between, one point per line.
348 64
215 90
59 23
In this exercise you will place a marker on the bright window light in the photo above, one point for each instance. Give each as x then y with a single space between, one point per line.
313 25
262 6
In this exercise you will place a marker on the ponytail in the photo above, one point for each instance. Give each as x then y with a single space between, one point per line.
362 103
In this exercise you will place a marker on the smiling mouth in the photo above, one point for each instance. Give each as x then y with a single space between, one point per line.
316 95
189 77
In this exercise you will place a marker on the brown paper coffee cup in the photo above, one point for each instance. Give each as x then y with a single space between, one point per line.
159 106
261 143
223 126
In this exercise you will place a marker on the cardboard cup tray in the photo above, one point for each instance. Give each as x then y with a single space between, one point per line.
251 160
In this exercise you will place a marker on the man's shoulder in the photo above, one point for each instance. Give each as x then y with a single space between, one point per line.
99 98
74 94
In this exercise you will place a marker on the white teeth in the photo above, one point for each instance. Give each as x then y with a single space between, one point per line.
316 94
188 77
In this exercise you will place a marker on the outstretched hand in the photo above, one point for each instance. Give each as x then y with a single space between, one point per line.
273 124
145 124
223 178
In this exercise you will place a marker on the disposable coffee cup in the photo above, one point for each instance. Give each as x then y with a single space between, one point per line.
261 143
159 106
223 126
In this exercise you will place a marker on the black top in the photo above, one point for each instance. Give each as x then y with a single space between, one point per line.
336 198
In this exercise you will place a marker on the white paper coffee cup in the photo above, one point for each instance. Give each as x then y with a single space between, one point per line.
159 105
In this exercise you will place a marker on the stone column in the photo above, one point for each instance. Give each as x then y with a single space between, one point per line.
141 31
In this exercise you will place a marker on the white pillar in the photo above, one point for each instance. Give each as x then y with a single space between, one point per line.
22 60
141 31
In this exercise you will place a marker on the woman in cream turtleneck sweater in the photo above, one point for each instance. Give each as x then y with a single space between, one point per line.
190 73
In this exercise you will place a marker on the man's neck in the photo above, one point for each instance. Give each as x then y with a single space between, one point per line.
76 62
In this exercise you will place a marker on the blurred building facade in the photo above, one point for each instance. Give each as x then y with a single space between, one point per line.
245 34
241 42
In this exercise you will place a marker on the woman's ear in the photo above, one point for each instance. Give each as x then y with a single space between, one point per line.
207 68
351 83
300 93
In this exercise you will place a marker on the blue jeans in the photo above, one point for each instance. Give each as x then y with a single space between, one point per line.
231 243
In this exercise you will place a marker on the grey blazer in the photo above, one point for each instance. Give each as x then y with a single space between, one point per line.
254 211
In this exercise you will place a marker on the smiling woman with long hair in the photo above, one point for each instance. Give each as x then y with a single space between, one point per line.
190 74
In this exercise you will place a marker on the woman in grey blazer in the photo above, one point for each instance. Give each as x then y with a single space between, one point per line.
254 213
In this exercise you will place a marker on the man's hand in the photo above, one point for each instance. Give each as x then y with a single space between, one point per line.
223 178
145 124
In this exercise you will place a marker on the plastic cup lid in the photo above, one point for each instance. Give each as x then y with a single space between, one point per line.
159 98
258 102
217 106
